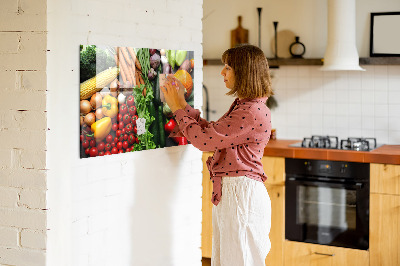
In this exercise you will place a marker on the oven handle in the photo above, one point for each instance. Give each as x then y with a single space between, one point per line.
357 185
324 254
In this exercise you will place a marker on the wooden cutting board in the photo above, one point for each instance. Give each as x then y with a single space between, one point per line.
239 35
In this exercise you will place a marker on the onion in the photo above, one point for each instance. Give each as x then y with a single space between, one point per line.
85 107
162 52
90 118
99 113
121 98
95 101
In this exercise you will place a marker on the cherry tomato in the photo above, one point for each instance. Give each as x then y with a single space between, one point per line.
89 138
121 151
113 144
137 140
130 100
116 139
87 151
119 117
135 129
101 153
82 137
107 146
114 150
121 138
92 143
123 109
107 153
109 138
128 150
131 139
132 110
123 131
85 144
125 136
115 126
133 119
129 128
118 133
101 146
121 125
126 119
125 144
93 152
119 145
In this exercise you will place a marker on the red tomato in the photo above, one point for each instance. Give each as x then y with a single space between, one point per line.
107 146
126 119
116 139
137 140
135 129
129 128
121 151
89 138
82 137
119 117
130 100
107 153
123 131
128 150
131 139
125 144
113 144
119 145
115 126
170 125
121 125
109 138
87 151
92 143
93 152
123 109
114 150
118 133
101 146
85 144
101 153
133 119
125 136
132 110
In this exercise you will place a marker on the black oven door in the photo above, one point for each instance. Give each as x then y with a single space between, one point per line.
327 212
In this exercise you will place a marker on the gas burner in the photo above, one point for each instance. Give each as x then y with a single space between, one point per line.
358 144
327 142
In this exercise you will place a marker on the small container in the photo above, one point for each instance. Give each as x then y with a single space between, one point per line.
273 134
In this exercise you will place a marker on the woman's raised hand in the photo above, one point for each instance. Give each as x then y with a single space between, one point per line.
174 93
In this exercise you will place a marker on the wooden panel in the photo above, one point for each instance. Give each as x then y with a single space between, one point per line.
304 254
206 233
277 233
274 168
385 178
384 230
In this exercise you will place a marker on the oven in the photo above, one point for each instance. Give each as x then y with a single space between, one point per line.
327 202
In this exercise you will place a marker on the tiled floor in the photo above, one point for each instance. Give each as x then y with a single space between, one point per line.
206 261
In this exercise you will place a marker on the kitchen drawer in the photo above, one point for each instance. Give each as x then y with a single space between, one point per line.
385 178
305 254
274 168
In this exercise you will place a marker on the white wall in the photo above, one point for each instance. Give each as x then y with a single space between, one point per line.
142 208
23 133
311 102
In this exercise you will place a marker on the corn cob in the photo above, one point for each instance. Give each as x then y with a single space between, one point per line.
98 82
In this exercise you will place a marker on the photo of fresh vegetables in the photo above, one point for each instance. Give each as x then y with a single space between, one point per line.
121 104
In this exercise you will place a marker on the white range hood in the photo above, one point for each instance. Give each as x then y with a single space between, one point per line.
341 51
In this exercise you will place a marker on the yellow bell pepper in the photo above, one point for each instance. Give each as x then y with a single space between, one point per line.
110 106
101 128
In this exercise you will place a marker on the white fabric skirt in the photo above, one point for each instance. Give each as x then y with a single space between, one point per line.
241 223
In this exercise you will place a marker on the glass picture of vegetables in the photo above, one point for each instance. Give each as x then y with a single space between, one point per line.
121 104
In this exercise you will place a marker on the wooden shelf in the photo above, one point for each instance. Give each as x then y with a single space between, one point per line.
274 63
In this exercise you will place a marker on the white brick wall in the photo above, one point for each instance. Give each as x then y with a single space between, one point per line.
23 133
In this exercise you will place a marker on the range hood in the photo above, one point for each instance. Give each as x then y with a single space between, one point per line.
341 51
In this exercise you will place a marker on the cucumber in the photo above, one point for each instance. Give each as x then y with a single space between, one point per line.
161 126
154 125
156 86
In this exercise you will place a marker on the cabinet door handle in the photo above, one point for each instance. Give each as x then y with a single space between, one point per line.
324 254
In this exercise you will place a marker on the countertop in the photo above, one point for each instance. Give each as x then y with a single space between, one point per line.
388 154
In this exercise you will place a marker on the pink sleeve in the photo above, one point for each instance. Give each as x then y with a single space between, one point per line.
229 131
193 113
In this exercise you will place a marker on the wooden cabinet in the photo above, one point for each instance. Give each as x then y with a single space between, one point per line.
305 254
206 232
385 215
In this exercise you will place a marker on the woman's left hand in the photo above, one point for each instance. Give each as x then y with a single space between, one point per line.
173 93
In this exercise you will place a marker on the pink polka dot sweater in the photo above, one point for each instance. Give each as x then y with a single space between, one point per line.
238 139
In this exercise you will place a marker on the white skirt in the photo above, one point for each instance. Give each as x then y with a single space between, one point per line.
241 223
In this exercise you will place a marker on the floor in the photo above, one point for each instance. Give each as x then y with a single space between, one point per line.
206 261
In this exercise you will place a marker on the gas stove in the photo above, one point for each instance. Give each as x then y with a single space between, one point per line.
332 142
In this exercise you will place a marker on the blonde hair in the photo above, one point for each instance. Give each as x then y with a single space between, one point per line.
250 66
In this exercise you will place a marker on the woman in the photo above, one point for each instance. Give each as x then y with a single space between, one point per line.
242 208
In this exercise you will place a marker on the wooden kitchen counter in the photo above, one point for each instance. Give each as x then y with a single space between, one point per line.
388 154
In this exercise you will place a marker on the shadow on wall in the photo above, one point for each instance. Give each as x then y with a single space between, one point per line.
152 213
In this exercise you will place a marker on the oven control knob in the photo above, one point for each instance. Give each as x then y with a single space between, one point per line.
343 168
